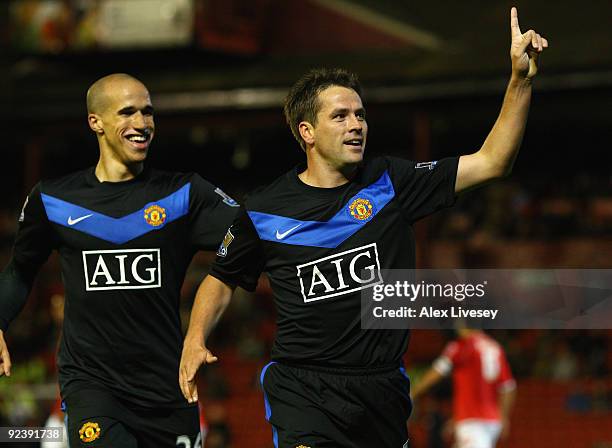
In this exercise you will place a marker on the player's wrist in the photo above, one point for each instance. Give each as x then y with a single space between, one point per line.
520 80
194 339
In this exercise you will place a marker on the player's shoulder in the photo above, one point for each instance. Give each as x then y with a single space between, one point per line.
276 194
181 178
198 187
387 161
171 181
68 182
394 167
487 339
374 167
172 178
402 164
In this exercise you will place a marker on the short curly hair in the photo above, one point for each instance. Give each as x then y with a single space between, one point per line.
301 103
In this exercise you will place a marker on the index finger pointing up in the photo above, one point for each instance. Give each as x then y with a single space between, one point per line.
515 29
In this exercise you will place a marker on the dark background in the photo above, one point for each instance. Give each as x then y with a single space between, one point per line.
434 75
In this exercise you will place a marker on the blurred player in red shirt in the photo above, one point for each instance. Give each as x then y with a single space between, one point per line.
483 388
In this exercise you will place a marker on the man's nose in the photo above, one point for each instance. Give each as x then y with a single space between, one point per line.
355 123
139 120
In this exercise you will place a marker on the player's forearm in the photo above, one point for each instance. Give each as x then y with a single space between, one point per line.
430 378
503 142
211 300
15 286
506 401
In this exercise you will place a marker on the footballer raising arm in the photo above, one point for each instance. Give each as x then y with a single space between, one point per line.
496 156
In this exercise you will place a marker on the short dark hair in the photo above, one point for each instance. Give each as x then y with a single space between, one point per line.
301 103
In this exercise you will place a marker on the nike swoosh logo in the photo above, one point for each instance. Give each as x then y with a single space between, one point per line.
280 236
72 222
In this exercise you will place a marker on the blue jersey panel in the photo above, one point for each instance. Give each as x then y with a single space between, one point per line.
152 216
357 212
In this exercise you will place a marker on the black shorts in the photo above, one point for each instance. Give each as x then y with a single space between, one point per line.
336 408
95 418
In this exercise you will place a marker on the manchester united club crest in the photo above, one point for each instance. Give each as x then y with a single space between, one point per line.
89 432
361 209
155 215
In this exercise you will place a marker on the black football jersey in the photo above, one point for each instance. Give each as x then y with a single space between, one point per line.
124 249
320 247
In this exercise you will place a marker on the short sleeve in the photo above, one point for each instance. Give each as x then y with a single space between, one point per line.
445 362
422 188
506 380
35 238
211 213
240 259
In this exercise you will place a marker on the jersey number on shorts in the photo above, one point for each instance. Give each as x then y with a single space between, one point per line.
185 442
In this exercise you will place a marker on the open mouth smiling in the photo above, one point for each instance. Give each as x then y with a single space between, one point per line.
139 140
354 142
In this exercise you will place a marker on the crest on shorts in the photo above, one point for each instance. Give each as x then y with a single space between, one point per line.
155 215
227 240
361 209
302 446
89 432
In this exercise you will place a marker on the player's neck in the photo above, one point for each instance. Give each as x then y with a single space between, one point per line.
467 332
115 171
320 174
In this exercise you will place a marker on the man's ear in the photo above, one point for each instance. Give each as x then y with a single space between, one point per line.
95 123
307 132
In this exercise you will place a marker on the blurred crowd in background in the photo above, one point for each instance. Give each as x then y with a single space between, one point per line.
433 77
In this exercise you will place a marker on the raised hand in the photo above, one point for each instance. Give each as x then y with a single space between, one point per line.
525 48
